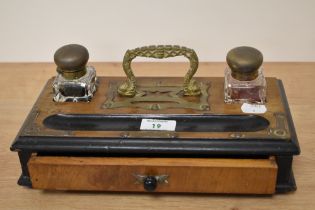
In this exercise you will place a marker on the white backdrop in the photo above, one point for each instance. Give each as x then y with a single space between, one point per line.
284 30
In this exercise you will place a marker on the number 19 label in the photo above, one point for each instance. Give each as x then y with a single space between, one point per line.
158 125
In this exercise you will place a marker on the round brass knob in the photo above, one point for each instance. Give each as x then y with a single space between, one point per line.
71 61
244 62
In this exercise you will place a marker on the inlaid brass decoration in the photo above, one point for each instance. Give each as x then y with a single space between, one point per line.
158 97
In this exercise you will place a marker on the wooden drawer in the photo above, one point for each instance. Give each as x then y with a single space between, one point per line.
195 175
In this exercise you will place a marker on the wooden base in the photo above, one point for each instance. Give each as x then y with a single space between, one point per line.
193 175
85 146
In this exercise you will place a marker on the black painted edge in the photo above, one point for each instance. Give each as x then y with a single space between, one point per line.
156 146
294 138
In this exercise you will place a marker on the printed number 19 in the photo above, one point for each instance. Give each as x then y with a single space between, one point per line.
156 125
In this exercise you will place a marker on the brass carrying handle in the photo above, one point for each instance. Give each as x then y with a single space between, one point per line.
190 86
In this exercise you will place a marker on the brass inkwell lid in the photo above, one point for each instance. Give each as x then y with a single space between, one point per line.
244 62
71 61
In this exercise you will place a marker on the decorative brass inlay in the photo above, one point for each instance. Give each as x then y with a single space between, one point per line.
149 134
159 178
190 86
281 126
279 131
158 97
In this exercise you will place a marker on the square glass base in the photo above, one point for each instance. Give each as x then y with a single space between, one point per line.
236 91
81 89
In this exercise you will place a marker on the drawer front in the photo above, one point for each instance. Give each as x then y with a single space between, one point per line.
195 175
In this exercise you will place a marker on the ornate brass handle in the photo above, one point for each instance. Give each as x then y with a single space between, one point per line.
190 86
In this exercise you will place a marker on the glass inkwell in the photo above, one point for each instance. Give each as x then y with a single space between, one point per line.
75 81
244 80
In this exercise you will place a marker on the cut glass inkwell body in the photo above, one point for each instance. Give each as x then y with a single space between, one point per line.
244 79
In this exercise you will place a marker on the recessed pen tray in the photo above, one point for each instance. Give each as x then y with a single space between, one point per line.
191 123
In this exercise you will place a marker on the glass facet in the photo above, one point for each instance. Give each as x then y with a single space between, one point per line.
76 90
236 91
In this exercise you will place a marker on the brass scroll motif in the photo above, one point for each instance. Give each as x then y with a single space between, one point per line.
190 86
